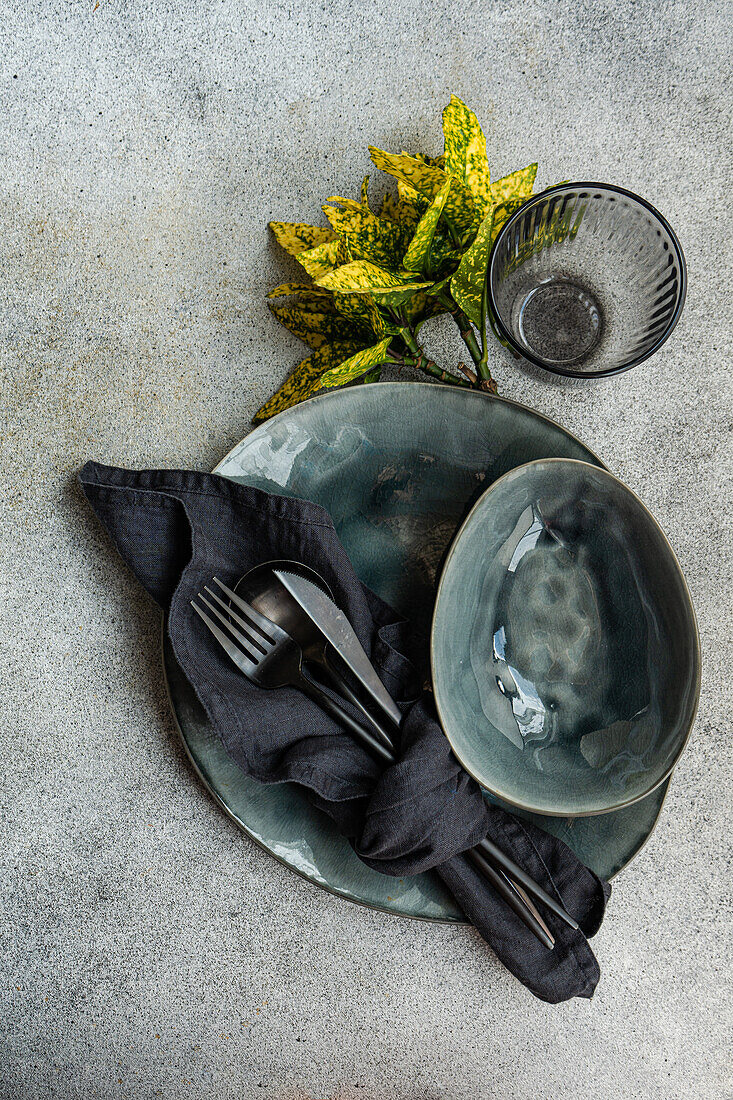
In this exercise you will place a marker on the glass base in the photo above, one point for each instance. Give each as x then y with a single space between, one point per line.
560 322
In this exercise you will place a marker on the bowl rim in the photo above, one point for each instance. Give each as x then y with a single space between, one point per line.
697 655
569 372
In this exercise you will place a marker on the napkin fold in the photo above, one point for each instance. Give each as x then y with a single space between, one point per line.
176 530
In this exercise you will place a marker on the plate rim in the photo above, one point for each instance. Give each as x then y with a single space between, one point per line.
482 395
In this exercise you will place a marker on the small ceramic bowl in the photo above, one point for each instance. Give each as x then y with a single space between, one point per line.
565 653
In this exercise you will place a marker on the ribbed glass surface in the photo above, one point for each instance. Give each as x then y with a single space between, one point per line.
586 280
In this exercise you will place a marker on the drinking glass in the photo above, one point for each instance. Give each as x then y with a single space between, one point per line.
586 279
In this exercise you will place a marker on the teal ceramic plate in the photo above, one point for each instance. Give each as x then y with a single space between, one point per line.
398 466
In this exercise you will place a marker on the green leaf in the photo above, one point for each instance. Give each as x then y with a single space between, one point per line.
428 179
417 257
518 185
355 366
363 311
502 213
324 258
366 236
372 376
319 328
389 210
295 237
362 277
465 152
365 192
304 379
307 296
467 285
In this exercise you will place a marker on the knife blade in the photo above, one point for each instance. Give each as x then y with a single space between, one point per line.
338 631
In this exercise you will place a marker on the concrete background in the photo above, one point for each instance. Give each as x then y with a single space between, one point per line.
148 948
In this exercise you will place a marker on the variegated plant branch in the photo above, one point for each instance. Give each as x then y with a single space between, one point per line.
378 276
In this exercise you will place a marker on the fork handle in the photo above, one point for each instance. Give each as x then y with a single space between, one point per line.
344 689
506 890
325 702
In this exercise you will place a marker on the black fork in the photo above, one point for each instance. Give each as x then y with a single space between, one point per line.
269 657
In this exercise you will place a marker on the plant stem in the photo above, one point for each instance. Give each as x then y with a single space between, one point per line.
431 368
464 326
483 363
420 361
470 375
467 334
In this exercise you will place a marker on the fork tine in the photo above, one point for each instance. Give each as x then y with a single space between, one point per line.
246 627
266 627
240 659
245 642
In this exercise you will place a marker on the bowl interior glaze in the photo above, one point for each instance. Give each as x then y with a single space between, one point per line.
564 646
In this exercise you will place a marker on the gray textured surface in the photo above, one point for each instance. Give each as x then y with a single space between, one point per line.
148 949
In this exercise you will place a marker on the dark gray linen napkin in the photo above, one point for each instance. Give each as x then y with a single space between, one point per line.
176 530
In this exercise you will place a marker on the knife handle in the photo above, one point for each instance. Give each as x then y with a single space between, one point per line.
325 702
386 738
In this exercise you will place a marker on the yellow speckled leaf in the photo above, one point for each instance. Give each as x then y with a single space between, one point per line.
477 173
309 296
365 192
319 328
445 257
502 213
428 179
301 382
417 257
518 185
367 237
389 208
286 289
411 205
348 204
439 162
324 258
353 367
467 285
384 286
421 306
465 152
296 238
362 310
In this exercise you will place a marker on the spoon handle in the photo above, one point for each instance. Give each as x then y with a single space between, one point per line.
344 719
340 684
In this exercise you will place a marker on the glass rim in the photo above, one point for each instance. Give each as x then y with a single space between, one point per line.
569 371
